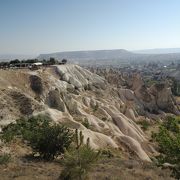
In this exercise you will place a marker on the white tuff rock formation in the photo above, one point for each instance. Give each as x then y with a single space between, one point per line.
71 95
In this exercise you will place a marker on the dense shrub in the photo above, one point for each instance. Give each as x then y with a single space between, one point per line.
78 160
50 141
172 124
44 138
22 127
168 139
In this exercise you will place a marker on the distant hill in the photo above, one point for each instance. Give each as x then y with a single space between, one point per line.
158 51
94 54
104 57
109 57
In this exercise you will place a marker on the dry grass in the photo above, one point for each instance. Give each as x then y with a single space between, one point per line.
117 169
106 169
22 167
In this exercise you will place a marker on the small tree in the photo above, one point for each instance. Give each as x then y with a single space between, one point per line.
15 61
79 159
64 61
175 87
168 139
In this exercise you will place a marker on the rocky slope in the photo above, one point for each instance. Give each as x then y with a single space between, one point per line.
80 99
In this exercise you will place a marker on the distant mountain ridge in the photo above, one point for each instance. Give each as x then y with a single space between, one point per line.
109 57
106 57
92 54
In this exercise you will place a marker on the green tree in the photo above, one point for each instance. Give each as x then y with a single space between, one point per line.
175 87
64 61
52 61
15 61
168 139
45 138
79 159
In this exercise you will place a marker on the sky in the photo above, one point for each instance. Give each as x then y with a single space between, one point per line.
46 26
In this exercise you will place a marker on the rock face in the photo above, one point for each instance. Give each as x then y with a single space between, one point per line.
70 95
22 102
36 84
157 97
79 77
54 100
164 98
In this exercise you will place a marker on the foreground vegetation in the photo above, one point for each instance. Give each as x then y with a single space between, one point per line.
168 139
50 140
44 138
79 159
73 152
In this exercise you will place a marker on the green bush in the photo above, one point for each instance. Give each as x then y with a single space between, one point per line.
172 124
5 158
78 160
168 139
175 87
50 141
44 138
22 127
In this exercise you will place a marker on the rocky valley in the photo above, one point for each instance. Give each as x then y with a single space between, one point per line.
108 109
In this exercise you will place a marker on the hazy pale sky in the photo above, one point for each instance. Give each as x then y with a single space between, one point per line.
43 26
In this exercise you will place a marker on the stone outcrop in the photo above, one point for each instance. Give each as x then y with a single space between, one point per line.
79 77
